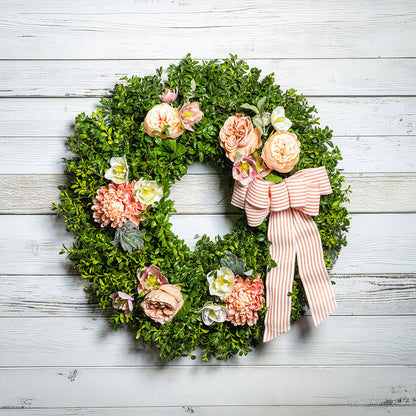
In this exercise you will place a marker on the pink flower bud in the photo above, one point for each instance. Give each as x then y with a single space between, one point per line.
169 96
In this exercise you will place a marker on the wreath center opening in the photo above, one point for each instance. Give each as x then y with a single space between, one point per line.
202 201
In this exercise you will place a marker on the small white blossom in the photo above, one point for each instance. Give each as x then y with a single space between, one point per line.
119 171
211 313
279 121
148 192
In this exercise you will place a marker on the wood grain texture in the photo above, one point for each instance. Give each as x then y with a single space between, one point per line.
45 30
346 116
211 193
390 154
91 342
64 386
329 77
64 296
391 408
377 243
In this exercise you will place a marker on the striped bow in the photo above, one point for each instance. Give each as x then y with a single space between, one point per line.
291 203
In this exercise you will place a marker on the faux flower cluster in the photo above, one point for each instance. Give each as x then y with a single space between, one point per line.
164 120
162 300
122 201
241 140
241 294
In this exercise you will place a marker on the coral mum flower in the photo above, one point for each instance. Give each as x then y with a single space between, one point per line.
244 301
116 205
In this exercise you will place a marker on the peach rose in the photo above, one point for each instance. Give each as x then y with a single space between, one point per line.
162 304
238 135
160 116
281 151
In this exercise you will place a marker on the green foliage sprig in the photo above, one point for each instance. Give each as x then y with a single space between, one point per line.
222 88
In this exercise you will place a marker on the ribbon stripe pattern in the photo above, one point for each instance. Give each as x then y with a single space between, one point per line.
292 231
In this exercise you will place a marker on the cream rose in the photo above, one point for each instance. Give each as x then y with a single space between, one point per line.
160 116
163 304
238 135
281 151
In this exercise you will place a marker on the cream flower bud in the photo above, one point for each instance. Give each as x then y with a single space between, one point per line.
279 121
119 171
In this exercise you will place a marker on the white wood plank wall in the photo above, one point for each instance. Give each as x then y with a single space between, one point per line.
355 60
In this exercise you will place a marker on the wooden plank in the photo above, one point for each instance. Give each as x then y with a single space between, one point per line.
62 296
377 243
329 77
391 154
210 194
91 342
377 154
108 387
347 116
377 410
44 30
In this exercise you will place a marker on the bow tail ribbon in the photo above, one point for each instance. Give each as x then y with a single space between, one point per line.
292 232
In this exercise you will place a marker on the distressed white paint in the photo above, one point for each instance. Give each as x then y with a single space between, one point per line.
353 116
377 243
64 296
385 154
57 355
378 340
169 29
80 78
211 193
189 385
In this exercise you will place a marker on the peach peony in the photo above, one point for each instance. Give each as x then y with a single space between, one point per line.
244 301
162 304
160 116
238 135
281 151
116 205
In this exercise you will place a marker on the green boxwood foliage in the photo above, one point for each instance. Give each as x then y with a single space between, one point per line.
115 129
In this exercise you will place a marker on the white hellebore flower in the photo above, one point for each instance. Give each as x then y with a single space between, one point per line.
222 285
279 121
119 171
211 313
148 192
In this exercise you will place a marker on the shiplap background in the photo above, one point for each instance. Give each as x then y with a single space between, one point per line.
353 59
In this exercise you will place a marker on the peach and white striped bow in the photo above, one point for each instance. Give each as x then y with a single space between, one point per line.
291 203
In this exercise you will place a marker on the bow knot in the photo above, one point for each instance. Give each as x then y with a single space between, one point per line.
301 191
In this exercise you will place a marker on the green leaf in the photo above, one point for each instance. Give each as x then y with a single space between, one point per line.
250 107
260 104
273 177
179 151
169 144
186 307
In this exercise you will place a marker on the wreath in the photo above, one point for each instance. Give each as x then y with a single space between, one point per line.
140 141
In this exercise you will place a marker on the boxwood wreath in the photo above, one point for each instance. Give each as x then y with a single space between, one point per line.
111 258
